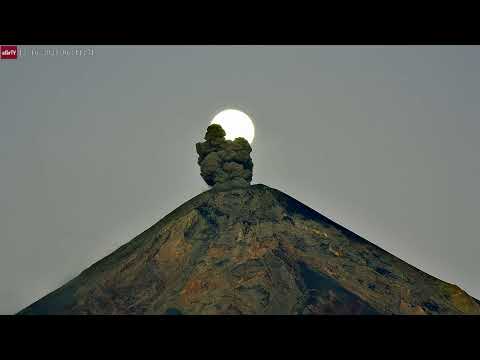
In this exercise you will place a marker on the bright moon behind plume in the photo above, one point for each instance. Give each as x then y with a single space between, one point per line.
236 124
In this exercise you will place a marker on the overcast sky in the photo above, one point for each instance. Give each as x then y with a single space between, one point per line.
95 149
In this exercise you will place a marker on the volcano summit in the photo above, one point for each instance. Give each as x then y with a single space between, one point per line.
250 249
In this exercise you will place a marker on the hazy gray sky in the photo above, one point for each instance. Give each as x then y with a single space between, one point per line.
93 150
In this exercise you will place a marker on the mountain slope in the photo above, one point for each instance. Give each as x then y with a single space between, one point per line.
254 250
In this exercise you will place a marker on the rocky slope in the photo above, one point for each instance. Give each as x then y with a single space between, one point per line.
254 250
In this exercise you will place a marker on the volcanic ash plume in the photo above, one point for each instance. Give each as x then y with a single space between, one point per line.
224 164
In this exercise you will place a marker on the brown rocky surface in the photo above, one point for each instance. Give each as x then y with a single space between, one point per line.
252 250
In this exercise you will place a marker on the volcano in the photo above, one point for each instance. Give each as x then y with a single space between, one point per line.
252 250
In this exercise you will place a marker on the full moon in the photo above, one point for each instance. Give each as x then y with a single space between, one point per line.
236 124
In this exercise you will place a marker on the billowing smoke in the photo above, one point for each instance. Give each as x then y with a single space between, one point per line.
224 164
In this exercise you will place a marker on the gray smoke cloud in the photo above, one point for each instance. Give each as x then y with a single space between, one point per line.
224 164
